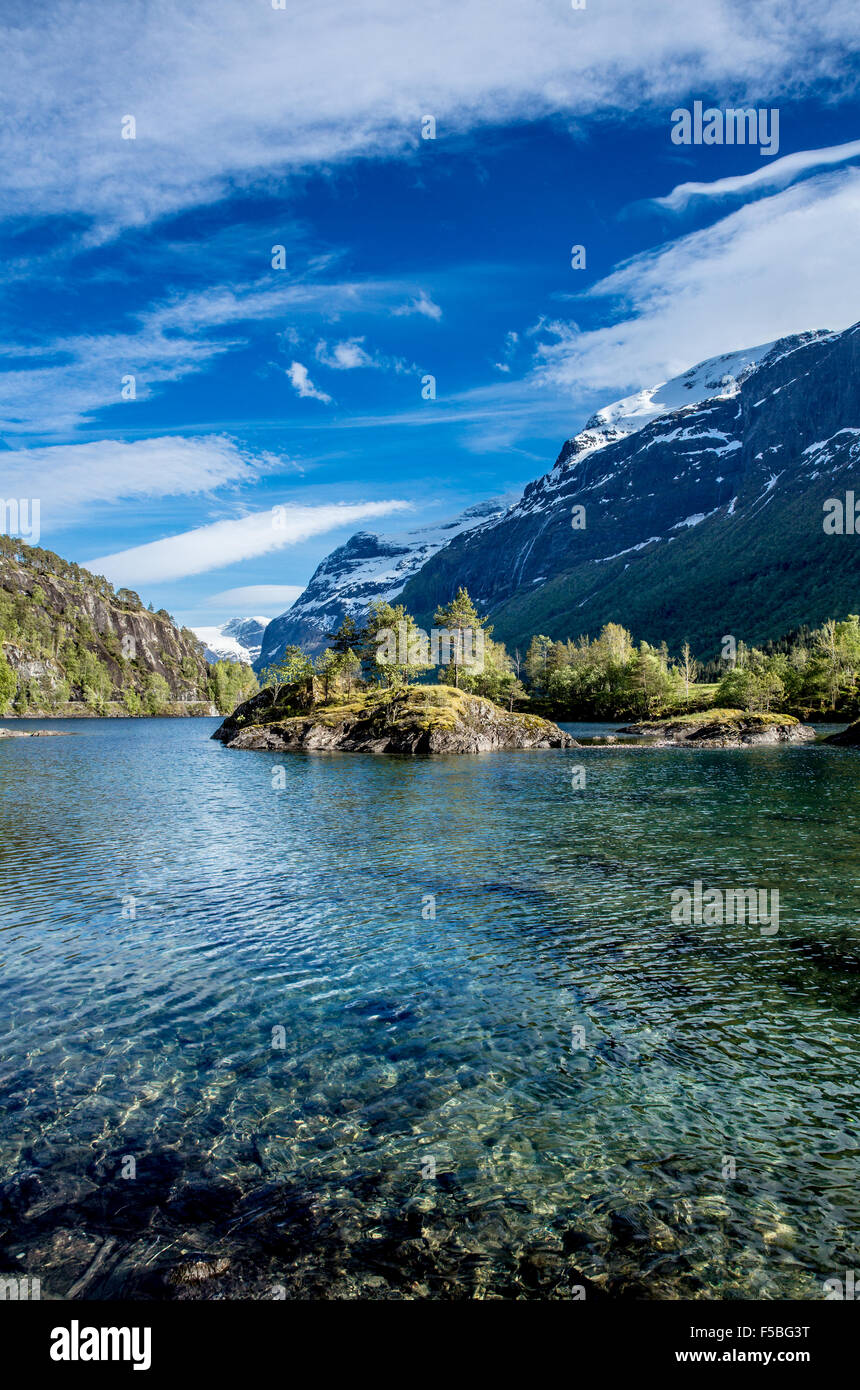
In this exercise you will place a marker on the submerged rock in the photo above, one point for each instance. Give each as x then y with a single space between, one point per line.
34 733
195 1271
722 728
421 719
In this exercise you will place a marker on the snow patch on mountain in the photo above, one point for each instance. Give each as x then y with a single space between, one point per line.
716 377
239 639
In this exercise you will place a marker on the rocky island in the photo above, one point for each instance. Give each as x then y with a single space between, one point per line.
418 719
721 728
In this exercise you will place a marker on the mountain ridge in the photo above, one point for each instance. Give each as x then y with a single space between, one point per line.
703 520
367 566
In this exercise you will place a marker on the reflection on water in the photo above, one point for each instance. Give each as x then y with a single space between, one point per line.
231 1026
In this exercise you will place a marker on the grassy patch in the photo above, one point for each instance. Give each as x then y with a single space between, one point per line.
722 716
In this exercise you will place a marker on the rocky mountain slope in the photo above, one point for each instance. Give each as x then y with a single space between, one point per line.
703 508
70 644
239 639
367 567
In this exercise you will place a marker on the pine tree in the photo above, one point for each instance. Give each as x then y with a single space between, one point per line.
348 638
395 649
460 617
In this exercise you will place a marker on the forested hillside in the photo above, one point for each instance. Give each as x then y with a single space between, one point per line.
72 645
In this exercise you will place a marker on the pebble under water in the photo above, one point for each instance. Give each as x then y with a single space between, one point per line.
240 1056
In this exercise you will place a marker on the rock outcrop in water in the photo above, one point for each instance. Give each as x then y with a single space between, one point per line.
722 728
423 719
33 733
849 738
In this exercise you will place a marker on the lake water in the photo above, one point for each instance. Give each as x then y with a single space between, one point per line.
327 1030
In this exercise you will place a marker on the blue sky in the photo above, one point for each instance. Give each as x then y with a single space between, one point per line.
300 389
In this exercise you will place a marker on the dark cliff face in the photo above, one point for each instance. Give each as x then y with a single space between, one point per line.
705 521
68 637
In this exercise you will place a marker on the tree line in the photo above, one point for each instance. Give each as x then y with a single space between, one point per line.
811 671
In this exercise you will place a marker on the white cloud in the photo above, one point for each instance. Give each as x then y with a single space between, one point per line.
345 356
772 268
348 355
302 384
776 174
228 94
167 343
92 373
227 542
67 477
250 599
420 304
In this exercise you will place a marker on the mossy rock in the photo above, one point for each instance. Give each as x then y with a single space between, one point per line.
415 720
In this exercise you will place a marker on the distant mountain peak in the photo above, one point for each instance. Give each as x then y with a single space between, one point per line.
239 639
711 379
367 567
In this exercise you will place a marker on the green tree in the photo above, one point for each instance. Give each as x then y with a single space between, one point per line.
536 663
345 645
295 668
231 682
461 619
8 684
156 695
689 670
348 638
512 689
131 700
395 649
326 668
490 677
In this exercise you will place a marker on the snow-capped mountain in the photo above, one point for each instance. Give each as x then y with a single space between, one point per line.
714 378
703 504
367 567
239 639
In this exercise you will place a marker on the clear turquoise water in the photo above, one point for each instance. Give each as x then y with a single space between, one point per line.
408 1039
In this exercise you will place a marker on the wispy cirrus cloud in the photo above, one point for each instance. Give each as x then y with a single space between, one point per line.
225 543
420 304
69 477
345 356
775 267
774 175
228 95
65 381
350 355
